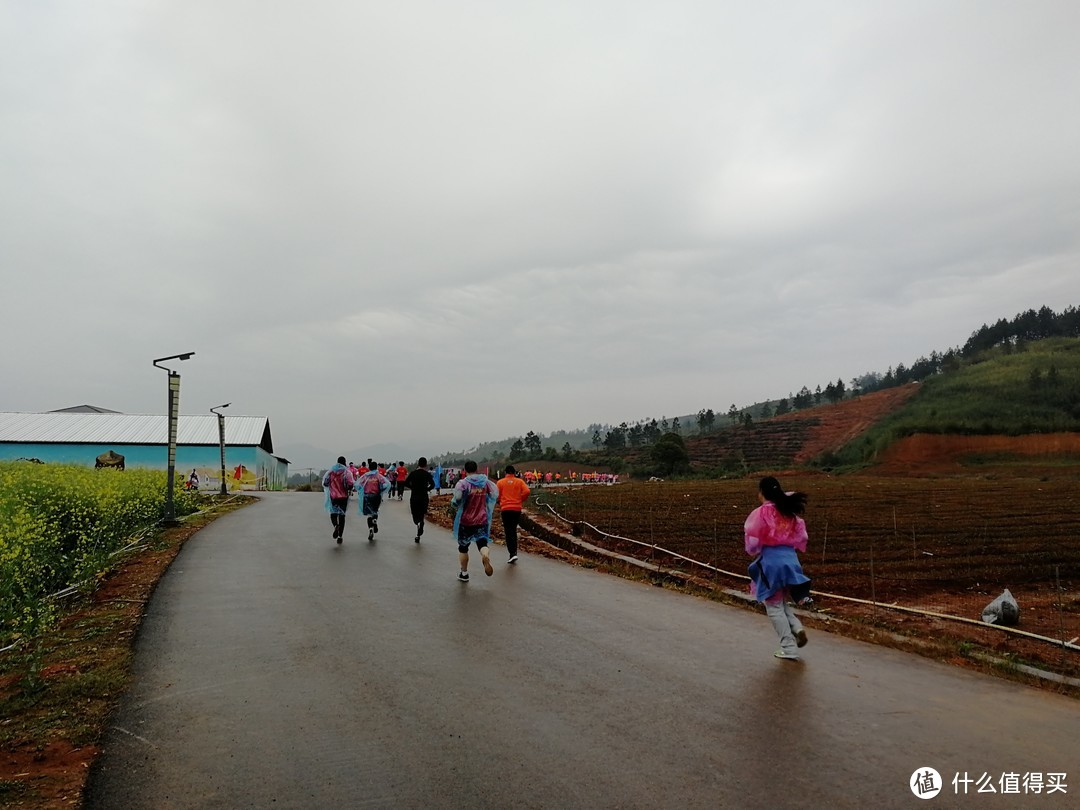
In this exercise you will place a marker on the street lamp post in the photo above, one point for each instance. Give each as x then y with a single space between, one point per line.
221 440
174 412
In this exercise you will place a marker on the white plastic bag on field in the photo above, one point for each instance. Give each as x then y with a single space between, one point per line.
1004 610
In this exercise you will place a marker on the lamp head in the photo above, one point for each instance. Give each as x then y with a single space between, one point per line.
183 356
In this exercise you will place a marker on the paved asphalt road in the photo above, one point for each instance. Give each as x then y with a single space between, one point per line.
277 669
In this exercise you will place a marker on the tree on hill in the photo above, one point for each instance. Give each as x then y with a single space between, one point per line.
833 394
705 420
532 444
517 450
669 455
616 437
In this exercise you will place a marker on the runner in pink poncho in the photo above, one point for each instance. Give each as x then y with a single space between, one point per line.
775 533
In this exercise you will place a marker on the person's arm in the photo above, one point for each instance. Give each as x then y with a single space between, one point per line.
800 535
752 531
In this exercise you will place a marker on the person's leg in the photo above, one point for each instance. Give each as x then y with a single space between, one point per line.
463 563
485 556
337 517
418 508
778 616
510 519
797 629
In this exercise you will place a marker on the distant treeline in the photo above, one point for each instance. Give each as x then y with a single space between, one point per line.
1030 325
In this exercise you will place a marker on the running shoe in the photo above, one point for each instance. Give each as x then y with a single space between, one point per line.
339 539
800 638
416 539
786 656
487 566
375 526
371 534
463 576
512 560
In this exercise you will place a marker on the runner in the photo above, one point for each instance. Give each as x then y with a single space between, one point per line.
372 485
512 493
474 501
420 483
402 474
775 532
337 482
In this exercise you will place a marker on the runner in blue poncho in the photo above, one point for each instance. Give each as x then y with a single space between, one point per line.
474 501
337 483
372 485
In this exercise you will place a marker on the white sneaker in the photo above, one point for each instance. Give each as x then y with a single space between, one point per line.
786 656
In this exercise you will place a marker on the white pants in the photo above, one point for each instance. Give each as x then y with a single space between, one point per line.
786 624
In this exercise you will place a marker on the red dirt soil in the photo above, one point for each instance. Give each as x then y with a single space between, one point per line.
924 454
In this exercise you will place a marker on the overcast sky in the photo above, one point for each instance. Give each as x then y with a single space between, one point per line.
438 223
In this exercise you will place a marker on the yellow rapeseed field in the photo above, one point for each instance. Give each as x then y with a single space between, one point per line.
60 524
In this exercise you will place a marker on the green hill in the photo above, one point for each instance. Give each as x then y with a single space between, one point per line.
1031 387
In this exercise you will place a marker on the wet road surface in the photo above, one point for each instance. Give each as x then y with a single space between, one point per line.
275 668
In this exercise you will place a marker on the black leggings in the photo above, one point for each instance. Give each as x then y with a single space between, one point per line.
510 520
418 507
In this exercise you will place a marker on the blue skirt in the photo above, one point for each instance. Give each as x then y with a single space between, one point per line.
777 568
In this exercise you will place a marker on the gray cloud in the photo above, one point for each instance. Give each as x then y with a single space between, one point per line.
367 220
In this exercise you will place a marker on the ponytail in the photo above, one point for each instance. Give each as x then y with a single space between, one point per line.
787 504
